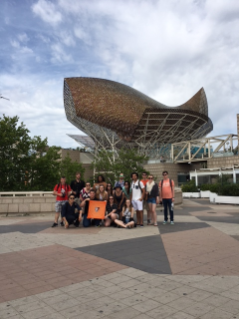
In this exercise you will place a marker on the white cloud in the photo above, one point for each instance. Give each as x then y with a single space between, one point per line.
47 11
166 49
23 37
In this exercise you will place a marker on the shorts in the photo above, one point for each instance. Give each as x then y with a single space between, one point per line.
59 204
151 200
137 204
116 214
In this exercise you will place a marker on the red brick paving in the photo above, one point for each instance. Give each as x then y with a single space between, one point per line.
37 270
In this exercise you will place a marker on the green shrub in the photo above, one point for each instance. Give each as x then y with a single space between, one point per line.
205 187
189 187
226 189
229 190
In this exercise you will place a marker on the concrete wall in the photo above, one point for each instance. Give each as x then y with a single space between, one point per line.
23 205
218 162
36 205
73 154
172 168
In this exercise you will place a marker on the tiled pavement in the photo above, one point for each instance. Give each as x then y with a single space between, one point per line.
186 271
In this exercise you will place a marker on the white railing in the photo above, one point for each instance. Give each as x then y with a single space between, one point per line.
26 194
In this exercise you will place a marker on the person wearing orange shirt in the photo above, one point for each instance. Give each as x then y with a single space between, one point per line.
166 189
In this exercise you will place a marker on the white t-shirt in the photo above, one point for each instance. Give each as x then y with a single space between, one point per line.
136 191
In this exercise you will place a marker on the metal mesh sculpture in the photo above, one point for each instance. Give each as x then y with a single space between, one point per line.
115 115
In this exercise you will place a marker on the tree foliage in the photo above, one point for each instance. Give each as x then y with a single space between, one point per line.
127 161
28 163
68 168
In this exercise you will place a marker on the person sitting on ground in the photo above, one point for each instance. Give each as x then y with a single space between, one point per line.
61 191
100 181
152 193
128 216
126 189
119 199
109 189
71 212
111 212
101 193
120 182
85 192
87 222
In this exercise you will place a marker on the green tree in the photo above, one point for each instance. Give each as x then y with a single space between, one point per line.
44 170
26 163
126 161
15 157
68 168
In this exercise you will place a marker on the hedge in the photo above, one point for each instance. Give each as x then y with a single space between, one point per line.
227 189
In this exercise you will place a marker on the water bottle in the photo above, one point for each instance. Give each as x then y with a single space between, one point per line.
172 205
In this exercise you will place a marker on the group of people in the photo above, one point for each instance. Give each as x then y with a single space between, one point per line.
123 200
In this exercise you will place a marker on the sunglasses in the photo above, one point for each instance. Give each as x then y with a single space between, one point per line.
150 177
165 174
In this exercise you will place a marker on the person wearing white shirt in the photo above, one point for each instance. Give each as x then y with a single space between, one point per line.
137 196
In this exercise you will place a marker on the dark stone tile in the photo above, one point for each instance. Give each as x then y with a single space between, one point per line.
25 228
164 229
221 219
235 237
146 253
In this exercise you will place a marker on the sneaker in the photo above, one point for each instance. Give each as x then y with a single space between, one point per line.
77 223
142 225
164 222
171 223
54 225
62 224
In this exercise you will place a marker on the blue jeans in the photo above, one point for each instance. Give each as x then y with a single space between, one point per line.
167 202
88 221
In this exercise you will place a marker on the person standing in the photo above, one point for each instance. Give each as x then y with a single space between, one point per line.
99 181
137 197
61 191
77 185
145 180
166 188
152 194
120 182
126 189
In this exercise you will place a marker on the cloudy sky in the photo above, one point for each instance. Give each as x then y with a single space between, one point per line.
167 49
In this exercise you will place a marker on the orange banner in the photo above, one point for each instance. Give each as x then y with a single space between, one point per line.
96 209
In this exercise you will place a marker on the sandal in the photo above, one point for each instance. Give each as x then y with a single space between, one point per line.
155 224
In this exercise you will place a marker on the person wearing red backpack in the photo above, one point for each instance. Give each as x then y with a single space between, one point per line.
61 191
166 188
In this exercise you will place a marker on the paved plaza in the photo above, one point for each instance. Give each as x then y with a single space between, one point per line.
183 271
